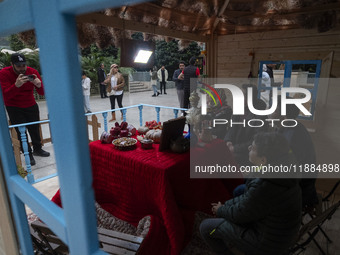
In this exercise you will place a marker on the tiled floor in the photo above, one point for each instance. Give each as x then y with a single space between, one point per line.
46 166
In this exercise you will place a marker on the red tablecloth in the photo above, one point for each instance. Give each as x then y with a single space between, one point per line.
133 184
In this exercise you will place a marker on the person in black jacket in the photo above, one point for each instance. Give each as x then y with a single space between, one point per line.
266 218
179 84
101 78
191 71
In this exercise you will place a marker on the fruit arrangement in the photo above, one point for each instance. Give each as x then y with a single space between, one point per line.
106 137
153 124
143 130
124 143
154 134
122 130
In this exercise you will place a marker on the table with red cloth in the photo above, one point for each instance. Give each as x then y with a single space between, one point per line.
133 184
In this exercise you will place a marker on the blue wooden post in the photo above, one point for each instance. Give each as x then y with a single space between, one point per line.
71 152
124 114
158 109
24 141
140 115
54 23
287 73
105 120
10 170
176 113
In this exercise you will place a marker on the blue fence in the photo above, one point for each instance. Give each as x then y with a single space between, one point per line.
22 130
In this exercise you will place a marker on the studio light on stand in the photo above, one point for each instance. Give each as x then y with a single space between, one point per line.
143 56
137 54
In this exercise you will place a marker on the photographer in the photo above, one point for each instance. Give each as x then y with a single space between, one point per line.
18 82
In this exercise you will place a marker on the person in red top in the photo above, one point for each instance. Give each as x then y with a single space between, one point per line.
18 82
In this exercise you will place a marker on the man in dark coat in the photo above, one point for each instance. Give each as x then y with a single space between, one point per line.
179 83
265 219
191 71
101 78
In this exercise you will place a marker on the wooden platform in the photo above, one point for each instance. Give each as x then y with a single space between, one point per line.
110 241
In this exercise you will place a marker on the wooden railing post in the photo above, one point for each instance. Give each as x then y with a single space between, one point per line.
16 146
41 136
95 127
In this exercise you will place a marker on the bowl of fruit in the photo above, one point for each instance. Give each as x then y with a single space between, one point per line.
125 143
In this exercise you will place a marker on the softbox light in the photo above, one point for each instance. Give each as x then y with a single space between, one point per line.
134 54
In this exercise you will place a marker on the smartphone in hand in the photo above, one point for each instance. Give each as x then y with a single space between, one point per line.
31 77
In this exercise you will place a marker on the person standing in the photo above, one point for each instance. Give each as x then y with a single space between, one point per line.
179 84
115 89
101 78
86 84
266 82
18 82
162 77
153 74
191 71
269 71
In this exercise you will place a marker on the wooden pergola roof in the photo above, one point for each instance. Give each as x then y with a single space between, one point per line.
199 19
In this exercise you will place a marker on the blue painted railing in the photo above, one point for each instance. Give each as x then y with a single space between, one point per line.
22 129
24 140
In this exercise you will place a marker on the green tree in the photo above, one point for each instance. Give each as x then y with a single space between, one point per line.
91 63
92 59
193 50
169 55
4 41
110 51
33 60
15 43
5 60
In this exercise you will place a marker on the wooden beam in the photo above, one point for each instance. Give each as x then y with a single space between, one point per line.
177 11
288 12
236 14
174 17
234 29
212 53
150 10
110 21
218 18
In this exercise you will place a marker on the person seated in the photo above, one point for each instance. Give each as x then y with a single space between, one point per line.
266 218
302 147
238 137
